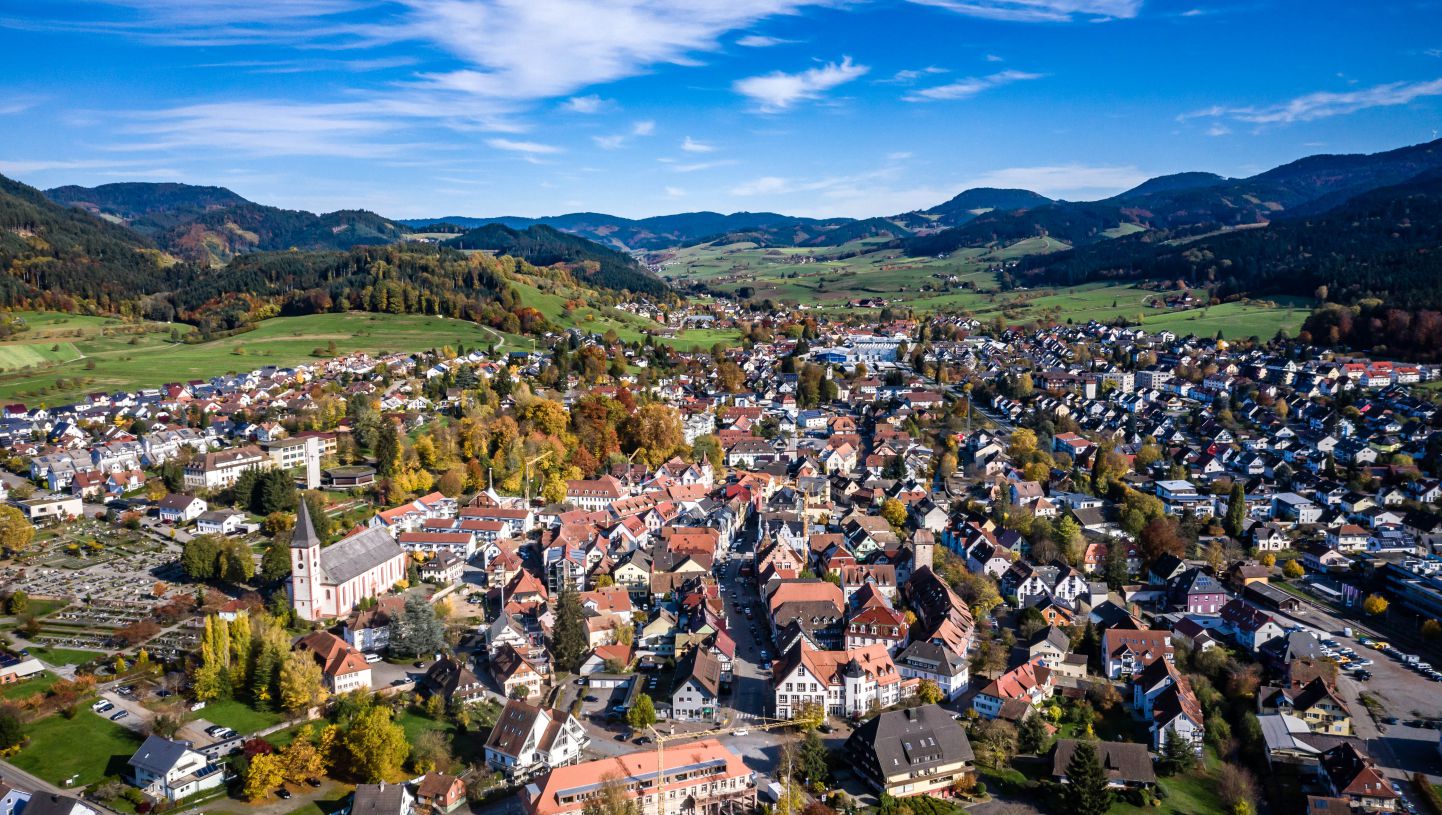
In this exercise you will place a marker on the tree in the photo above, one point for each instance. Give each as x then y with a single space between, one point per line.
16 531
165 725
17 603
388 450
569 639
1114 565
1178 755
655 430
1431 630
1375 604
1032 736
1086 791
12 730
811 759
263 774
1159 537
994 742
416 631
199 557
642 713
809 716
928 692
376 745
894 512
302 683
432 752
302 759
275 561
611 799
1292 569
1236 511
235 562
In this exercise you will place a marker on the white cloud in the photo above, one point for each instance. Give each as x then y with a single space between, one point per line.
898 156
969 87
675 192
994 58
690 145
18 104
529 147
1219 129
645 127
586 104
1323 104
908 76
275 128
609 142
765 185
1040 11
1071 181
778 90
761 41
695 167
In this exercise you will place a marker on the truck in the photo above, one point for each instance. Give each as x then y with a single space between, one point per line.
1347 632
1409 659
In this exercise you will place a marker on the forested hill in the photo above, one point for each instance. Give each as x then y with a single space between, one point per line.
1195 203
64 258
543 246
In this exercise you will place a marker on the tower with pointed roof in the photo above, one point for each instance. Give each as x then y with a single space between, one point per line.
306 574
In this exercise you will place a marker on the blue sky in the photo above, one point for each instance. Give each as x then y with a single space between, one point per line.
640 107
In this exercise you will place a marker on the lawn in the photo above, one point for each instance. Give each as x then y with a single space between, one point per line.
113 363
28 687
1187 794
64 656
87 747
332 802
44 608
238 717
467 745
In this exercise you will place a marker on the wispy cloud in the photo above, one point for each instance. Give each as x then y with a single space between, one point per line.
611 142
529 147
779 90
18 104
761 41
1040 11
1219 129
644 127
909 76
690 145
969 87
695 167
1323 104
675 192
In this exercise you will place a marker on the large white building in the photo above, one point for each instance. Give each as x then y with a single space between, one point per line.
222 468
328 583
845 683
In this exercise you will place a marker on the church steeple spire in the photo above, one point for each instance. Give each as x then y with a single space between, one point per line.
305 536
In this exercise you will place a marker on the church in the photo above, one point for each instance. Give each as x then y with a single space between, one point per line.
328 582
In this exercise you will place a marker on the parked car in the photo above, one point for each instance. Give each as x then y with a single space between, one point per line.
118 715
102 706
283 793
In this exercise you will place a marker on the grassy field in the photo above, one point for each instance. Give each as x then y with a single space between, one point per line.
962 282
113 363
551 300
238 717
64 656
87 747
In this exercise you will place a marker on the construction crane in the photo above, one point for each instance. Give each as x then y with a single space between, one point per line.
760 724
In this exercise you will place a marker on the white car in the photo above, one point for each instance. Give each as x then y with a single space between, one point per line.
742 732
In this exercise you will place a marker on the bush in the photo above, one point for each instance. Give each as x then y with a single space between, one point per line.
980 788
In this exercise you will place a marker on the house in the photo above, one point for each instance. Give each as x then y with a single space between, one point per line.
330 582
938 663
219 469
1316 703
514 673
1248 625
1126 652
369 630
527 738
440 793
1022 687
169 770
844 683
1197 592
1127 764
702 777
1350 774
598 494
53 803
697 687
219 522
453 681
345 669
381 799
178 509
916 751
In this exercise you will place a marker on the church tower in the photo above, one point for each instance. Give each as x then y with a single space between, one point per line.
305 571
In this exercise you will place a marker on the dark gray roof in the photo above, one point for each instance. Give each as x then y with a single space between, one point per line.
158 755
379 799
304 537
914 740
1122 760
50 803
357 554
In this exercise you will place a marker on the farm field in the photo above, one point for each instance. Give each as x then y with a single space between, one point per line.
550 300
155 360
826 278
